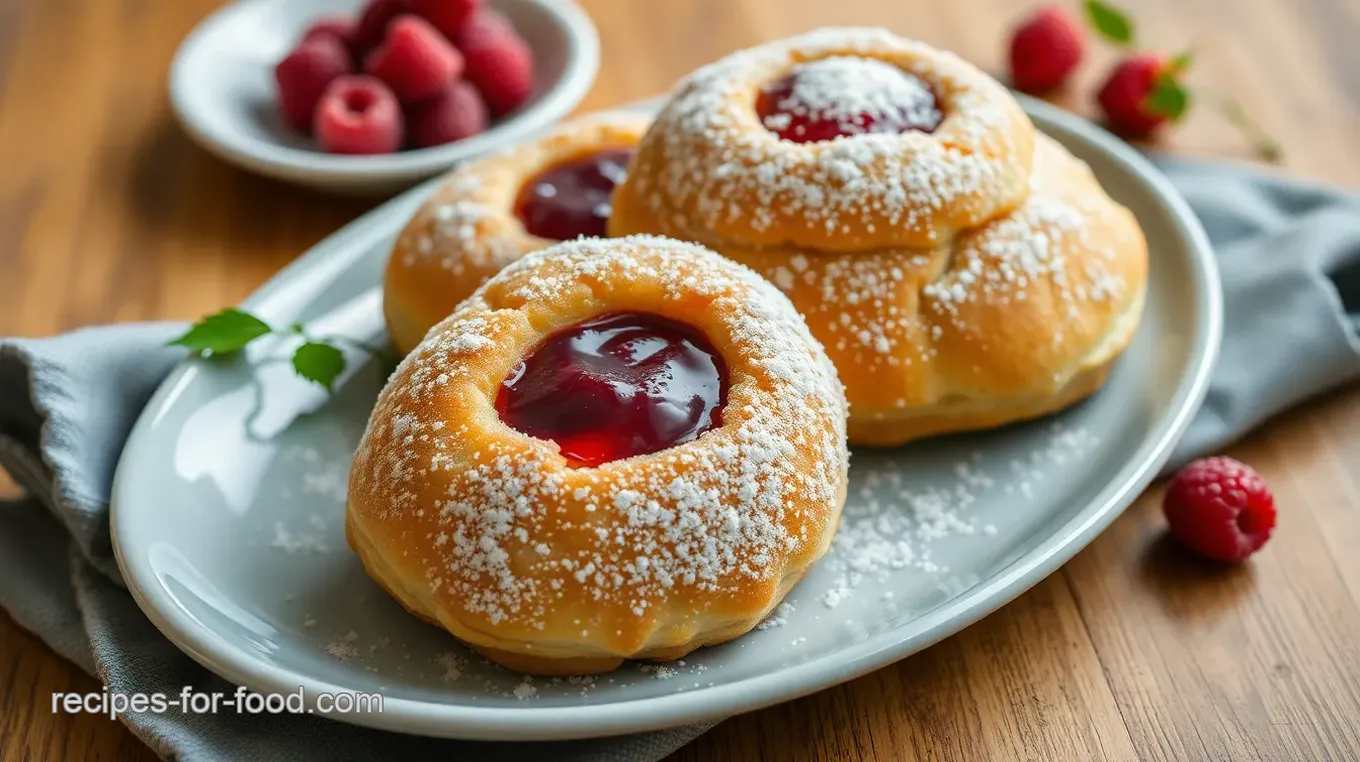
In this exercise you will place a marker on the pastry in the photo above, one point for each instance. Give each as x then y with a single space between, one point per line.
614 449
492 211
962 271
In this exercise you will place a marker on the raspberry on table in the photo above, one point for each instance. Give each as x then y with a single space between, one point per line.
359 115
448 16
502 68
1123 97
457 113
1220 508
303 76
415 60
1046 49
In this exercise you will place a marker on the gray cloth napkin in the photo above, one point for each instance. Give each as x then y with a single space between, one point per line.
1290 257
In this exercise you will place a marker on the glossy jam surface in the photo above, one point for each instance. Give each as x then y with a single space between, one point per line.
619 385
844 96
573 198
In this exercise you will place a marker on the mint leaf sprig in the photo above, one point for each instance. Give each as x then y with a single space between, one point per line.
318 359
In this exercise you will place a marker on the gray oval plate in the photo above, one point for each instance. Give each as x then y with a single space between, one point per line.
229 504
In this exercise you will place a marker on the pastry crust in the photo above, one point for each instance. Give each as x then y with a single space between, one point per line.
710 171
998 305
551 569
467 231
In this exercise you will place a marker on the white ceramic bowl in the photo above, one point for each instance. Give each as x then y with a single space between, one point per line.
222 90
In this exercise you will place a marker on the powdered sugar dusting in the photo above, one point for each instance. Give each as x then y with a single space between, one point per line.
344 649
514 531
525 689
469 224
846 89
1065 258
453 666
300 541
777 618
464 236
658 671
708 166
889 525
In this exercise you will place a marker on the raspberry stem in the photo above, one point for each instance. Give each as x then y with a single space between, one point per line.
1266 147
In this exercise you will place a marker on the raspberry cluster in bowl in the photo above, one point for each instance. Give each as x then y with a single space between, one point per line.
403 74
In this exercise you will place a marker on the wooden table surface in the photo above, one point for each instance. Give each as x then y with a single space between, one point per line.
1132 651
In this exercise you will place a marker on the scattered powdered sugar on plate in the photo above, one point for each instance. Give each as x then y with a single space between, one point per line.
658 671
777 618
295 541
343 648
586 682
525 689
330 481
890 526
452 664
1062 446
321 476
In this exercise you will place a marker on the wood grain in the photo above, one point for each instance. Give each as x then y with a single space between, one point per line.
1132 651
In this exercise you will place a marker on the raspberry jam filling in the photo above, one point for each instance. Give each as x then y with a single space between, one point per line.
620 385
572 199
845 96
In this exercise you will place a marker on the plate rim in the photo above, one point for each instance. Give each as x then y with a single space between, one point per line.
708 704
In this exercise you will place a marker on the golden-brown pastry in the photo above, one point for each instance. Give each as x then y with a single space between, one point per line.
684 462
492 211
961 271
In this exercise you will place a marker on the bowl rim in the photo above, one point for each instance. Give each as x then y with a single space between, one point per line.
462 721
304 165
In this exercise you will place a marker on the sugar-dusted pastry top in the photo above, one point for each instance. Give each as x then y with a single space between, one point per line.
961 273
492 534
468 229
714 171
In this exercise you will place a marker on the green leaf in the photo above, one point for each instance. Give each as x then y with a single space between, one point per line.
321 363
1178 65
1111 22
1168 98
223 333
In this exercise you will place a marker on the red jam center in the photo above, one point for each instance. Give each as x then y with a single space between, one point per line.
572 198
843 96
620 385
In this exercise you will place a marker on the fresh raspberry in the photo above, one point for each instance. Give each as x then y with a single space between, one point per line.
1046 49
448 16
359 115
1220 508
415 60
485 24
339 27
302 78
502 68
1125 93
371 28
457 113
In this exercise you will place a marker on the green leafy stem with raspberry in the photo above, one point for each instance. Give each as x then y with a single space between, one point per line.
1141 93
